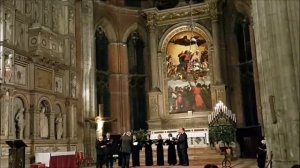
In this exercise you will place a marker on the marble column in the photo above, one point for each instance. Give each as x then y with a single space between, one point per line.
52 125
27 124
217 66
153 51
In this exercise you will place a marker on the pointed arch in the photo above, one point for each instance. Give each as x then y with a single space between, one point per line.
108 29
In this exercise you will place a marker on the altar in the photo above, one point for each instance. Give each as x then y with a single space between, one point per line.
57 159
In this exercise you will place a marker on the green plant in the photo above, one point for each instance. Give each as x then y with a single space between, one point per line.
141 135
224 133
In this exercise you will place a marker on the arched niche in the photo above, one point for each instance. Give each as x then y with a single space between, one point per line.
187 69
108 29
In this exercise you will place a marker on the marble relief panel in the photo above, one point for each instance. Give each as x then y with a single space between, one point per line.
20 74
43 79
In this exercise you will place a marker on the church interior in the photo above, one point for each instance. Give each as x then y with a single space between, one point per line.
150 65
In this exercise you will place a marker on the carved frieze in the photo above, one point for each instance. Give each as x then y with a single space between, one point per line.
155 17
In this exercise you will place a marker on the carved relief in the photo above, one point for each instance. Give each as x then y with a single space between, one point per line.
71 21
36 11
213 8
28 6
20 74
73 54
20 40
47 13
43 79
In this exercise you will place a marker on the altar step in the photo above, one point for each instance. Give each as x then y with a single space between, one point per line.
201 155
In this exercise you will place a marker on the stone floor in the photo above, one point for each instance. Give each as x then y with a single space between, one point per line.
240 163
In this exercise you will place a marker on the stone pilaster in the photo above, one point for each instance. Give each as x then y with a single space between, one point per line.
64 116
52 125
27 124
216 57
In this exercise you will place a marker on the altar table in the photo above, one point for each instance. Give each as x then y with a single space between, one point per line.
57 159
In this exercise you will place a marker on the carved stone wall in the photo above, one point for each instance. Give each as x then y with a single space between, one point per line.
38 73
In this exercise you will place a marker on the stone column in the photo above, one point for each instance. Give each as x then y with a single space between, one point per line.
153 50
27 124
276 29
88 60
52 125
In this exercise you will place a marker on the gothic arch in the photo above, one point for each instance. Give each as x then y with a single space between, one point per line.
61 106
183 27
108 29
139 29
243 7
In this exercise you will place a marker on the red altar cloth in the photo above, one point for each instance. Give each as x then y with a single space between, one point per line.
62 161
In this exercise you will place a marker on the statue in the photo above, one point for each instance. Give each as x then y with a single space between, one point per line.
59 126
8 68
20 122
44 131
73 86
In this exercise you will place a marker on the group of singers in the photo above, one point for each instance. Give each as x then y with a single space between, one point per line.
130 145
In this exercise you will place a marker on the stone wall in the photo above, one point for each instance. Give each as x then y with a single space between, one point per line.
39 77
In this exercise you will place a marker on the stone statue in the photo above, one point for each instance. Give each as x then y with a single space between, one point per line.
74 86
44 131
8 27
59 126
8 68
20 122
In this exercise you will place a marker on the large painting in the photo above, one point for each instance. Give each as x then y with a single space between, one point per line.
188 73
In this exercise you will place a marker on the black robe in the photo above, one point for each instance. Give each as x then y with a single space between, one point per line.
148 152
171 151
160 152
136 147
100 148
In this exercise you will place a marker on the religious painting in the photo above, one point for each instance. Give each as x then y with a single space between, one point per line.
43 79
188 73
20 74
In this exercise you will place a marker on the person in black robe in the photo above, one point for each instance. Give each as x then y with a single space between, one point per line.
109 151
178 149
126 148
148 151
136 147
171 150
160 150
262 154
183 146
100 149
